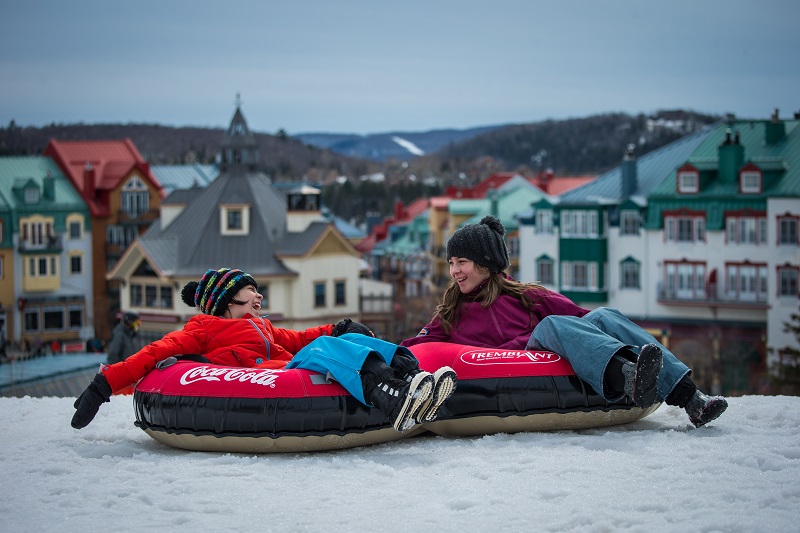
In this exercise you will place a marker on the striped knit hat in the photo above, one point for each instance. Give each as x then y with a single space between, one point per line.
216 289
482 243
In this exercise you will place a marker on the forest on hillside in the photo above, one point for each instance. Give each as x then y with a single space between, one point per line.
354 187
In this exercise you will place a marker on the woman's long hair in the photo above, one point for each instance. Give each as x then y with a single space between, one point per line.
449 309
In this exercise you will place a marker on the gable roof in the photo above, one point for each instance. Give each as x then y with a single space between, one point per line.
111 161
651 168
16 172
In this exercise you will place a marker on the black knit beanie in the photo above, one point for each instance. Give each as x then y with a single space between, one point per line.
216 289
482 243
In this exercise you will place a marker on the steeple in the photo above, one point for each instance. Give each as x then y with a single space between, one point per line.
239 146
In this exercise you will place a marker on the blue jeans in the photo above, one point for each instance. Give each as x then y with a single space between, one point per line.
589 342
342 357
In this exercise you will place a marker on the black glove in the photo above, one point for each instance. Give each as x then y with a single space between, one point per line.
348 326
88 403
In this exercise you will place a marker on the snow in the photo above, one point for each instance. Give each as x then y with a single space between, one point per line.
408 145
739 473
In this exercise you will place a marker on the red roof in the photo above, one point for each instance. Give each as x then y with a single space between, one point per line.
401 215
556 186
97 167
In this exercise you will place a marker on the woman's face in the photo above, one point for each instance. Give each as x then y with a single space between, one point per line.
251 299
467 274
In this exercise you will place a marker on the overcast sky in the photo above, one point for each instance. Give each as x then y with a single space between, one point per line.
375 66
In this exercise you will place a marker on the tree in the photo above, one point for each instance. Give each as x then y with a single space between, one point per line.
785 375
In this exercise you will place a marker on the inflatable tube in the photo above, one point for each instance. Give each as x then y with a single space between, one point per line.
206 407
509 391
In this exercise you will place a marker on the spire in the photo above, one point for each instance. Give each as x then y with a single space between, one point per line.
239 146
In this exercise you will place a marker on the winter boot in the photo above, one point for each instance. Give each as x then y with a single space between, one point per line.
444 384
641 376
702 408
401 400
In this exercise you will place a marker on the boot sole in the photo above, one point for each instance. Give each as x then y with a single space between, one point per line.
419 393
648 366
445 381
715 407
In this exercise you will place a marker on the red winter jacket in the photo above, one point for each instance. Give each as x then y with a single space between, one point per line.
245 342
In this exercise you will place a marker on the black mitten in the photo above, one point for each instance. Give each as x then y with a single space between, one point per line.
88 403
348 326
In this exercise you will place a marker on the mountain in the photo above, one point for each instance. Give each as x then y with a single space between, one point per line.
392 145
282 157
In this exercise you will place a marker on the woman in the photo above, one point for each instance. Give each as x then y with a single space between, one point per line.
229 331
483 306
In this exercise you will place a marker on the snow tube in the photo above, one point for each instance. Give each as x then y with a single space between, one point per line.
206 407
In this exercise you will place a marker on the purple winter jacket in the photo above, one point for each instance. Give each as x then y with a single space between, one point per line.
504 324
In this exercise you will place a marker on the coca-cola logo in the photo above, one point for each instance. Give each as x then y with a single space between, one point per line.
263 377
504 357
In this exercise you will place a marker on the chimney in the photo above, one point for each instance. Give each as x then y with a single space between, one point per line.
731 158
774 130
49 187
492 194
89 184
629 178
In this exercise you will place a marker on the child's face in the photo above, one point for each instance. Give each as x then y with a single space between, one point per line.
251 299
467 274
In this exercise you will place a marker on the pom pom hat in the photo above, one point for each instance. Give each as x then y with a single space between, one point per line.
482 243
216 289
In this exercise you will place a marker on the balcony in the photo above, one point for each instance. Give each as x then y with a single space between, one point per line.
51 245
137 217
711 296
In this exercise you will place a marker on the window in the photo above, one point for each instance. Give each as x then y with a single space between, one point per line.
750 181
629 274
513 246
36 232
235 220
31 320
319 294
787 281
135 197
787 230
684 280
264 290
136 296
746 282
165 296
688 227
121 236
75 317
544 221
32 195
75 226
339 289
579 223
629 222
75 264
579 275
746 229
544 271
53 318
688 181
150 295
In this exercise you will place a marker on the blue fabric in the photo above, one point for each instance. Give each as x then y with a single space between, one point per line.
343 357
589 342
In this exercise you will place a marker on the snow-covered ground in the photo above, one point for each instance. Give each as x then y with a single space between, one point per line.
740 473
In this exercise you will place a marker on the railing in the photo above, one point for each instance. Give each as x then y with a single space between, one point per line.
137 216
711 295
50 244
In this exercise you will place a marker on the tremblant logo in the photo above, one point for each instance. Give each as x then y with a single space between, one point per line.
242 375
494 357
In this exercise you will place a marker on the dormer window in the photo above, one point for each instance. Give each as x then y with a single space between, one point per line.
235 219
750 181
32 195
688 182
